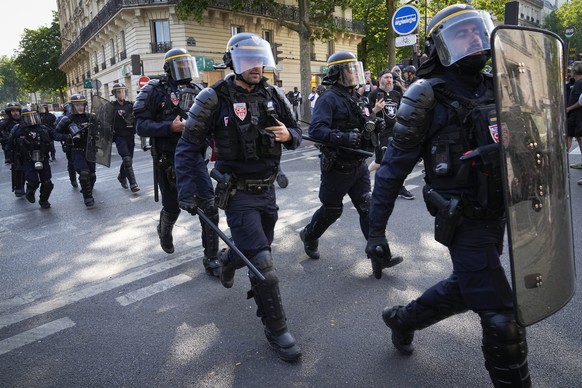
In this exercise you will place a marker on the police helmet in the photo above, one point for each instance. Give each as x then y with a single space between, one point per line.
12 106
76 100
410 69
459 31
118 88
245 51
179 64
344 60
30 116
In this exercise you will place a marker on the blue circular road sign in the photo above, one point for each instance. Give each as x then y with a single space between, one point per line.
405 20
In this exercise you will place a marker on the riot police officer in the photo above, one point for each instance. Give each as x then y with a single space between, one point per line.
77 123
124 136
159 111
12 110
443 118
32 140
48 119
248 120
340 118
67 147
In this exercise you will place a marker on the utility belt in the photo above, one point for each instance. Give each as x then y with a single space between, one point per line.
330 162
479 213
256 186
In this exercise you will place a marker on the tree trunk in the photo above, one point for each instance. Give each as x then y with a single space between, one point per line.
305 58
391 35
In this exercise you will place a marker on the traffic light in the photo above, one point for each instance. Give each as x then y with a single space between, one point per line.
276 53
136 64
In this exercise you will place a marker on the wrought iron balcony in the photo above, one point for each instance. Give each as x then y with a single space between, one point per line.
160 47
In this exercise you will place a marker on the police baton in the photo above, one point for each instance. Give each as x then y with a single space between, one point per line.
339 147
224 238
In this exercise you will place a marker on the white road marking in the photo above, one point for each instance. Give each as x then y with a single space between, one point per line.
33 335
155 288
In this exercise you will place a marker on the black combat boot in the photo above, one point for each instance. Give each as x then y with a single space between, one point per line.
86 188
396 318
270 309
165 227
45 191
309 246
210 243
128 166
123 181
30 191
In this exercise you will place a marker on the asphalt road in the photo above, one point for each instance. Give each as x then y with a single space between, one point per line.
89 299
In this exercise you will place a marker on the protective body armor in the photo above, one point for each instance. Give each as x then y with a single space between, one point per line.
6 126
472 123
123 121
33 142
244 136
82 122
354 118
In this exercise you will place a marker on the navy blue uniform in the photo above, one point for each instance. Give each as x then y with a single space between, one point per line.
124 138
33 143
17 173
337 113
236 120
462 119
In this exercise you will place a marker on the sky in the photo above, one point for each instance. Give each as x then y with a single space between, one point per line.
30 14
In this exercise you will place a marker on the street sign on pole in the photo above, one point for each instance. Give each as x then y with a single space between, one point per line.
406 40
405 20
569 32
142 81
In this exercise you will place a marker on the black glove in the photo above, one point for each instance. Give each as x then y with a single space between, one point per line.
350 139
380 125
189 205
207 205
378 251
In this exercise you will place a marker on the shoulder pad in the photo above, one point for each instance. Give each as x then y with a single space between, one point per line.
207 95
140 101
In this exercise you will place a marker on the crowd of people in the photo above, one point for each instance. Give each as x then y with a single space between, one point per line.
406 116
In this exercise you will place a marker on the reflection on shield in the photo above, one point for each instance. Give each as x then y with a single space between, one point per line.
529 74
101 132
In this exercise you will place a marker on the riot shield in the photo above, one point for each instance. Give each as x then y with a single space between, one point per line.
529 83
100 135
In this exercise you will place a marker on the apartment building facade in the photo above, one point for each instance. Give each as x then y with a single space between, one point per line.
100 38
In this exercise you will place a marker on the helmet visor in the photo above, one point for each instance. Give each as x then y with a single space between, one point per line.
183 67
250 53
31 118
120 93
462 34
352 74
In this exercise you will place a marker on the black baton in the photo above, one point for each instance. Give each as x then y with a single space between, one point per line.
339 147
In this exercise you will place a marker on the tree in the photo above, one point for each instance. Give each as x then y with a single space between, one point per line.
37 60
315 22
10 89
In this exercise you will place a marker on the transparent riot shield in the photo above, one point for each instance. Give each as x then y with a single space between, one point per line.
529 82
100 135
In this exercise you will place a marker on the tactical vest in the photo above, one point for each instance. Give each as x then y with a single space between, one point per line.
34 138
244 137
472 123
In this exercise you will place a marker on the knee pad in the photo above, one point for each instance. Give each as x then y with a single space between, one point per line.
331 213
47 185
85 176
263 261
363 203
127 160
504 341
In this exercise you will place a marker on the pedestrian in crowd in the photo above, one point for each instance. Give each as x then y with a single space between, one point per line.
13 111
249 121
124 136
312 98
67 148
409 75
340 119
574 111
159 111
386 101
368 86
31 140
78 123
297 102
429 123
49 120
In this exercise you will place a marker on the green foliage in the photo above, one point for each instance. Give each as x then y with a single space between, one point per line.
9 82
37 59
569 15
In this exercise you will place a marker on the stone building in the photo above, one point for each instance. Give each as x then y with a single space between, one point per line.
101 39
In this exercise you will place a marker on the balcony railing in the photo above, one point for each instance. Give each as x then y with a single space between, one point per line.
160 47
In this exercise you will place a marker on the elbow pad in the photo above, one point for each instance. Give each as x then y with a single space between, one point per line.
412 118
200 116
63 124
140 103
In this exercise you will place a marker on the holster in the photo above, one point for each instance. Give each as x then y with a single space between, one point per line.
224 190
447 215
327 160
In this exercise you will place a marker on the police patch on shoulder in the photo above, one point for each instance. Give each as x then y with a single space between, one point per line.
240 110
493 130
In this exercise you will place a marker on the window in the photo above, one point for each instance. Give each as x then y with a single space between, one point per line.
112 58
236 30
161 36
268 36
330 47
122 52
